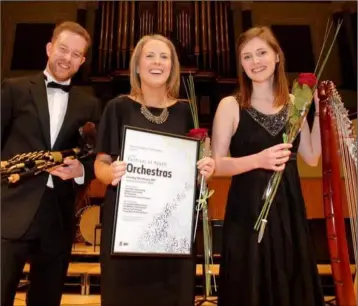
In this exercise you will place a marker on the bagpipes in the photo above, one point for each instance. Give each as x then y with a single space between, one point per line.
31 164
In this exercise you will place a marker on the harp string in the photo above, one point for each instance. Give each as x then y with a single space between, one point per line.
349 163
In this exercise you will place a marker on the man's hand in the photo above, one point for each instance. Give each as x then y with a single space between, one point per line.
73 169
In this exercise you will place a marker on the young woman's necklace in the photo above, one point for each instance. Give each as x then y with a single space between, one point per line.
152 118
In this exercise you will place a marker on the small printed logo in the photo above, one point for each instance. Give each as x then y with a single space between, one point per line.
122 243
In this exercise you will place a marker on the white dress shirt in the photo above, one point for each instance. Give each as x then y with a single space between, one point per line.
57 100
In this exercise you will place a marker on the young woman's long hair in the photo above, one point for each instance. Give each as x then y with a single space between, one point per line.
173 82
280 81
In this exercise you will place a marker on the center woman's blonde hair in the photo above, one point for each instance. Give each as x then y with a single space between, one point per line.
173 82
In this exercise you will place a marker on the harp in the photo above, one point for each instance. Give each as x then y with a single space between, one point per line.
339 158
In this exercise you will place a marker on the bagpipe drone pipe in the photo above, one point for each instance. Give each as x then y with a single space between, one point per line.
26 165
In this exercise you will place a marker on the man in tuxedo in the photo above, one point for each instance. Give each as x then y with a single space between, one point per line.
44 112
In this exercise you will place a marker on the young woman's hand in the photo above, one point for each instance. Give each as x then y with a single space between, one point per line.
275 157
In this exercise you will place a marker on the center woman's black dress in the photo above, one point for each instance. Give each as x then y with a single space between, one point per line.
137 281
281 270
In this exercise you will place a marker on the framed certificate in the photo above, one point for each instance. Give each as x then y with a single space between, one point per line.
155 201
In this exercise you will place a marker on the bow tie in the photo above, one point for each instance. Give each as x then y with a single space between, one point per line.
65 88
52 84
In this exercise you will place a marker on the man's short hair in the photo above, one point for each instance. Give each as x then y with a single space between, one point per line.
72 27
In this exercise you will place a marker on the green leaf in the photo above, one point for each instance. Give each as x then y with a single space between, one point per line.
294 86
299 112
294 119
297 92
307 92
292 110
300 102
284 137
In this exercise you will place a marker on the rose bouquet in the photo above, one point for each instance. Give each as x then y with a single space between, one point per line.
302 94
204 193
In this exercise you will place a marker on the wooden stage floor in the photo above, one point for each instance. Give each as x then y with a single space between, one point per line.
85 261
95 300
67 300
83 252
75 300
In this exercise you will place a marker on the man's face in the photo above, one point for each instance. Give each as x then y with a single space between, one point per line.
65 55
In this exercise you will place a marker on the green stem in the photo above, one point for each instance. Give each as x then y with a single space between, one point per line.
207 250
267 205
329 26
330 49
190 92
264 196
273 194
193 98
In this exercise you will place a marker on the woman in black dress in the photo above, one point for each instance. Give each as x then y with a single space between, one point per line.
281 270
152 104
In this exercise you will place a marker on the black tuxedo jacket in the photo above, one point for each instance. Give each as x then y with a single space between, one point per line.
25 127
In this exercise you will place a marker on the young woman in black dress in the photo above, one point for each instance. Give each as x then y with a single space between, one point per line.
281 270
152 104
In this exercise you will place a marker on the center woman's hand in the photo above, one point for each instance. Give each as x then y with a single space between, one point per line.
206 167
118 169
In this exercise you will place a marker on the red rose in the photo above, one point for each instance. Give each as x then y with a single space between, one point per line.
198 133
307 78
